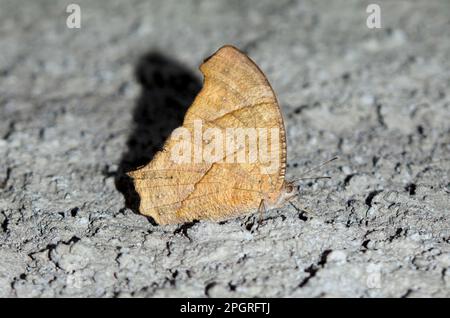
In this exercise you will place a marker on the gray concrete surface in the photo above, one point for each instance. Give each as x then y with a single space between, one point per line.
80 106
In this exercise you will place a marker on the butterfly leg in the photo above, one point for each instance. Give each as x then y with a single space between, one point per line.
261 209
300 208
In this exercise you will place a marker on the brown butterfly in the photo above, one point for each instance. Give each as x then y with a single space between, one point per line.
207 181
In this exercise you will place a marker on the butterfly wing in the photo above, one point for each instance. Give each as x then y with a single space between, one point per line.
235 95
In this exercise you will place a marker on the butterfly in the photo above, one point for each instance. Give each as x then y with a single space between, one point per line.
207 169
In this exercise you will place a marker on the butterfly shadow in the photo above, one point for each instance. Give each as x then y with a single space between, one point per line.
167 90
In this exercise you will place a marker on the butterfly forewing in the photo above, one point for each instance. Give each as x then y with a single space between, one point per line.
236 98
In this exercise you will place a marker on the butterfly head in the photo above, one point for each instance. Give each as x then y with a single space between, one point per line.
289 191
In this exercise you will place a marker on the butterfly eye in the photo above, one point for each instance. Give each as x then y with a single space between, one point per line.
289 188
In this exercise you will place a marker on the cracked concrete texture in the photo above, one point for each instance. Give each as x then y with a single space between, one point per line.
80 107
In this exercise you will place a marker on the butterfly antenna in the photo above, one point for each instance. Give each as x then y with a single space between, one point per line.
315 168
313 178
